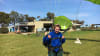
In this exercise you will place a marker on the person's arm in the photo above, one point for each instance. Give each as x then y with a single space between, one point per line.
45 38
50 35
63 39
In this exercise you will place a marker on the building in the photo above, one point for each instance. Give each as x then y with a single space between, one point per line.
33 26
76 25
11 28
37 26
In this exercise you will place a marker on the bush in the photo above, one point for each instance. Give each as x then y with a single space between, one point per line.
4 30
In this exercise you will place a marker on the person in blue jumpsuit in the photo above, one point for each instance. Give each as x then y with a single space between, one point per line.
54 41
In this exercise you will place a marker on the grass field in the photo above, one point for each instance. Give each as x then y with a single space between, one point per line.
30 45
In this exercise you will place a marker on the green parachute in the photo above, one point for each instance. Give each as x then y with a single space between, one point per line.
94 1
63 21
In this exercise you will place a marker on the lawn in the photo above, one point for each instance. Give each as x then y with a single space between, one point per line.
30 45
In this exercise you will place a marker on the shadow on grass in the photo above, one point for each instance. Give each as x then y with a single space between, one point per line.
83 39
91 30
66 53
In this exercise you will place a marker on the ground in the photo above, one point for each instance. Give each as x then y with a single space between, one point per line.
30 45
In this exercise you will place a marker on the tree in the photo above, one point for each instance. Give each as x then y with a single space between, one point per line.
50 15
92 26
29 19
78 22
86 26
26 17
14 17
44 19
21 18
38 18
4 19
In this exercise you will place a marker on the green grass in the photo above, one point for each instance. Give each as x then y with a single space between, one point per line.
30 45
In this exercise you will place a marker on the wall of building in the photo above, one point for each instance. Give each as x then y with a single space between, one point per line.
40 24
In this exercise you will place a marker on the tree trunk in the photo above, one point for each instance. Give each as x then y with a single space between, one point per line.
2 25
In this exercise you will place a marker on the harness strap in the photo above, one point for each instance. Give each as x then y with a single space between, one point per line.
55 38
52 48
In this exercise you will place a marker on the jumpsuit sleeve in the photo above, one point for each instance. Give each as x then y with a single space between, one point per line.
63 40
47 39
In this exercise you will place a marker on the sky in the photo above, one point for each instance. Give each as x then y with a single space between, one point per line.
73 9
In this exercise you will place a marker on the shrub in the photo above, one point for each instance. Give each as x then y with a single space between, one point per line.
4 30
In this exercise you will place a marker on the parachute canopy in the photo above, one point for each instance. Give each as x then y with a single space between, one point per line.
94 1
63 21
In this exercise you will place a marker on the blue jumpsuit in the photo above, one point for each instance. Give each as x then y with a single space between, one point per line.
55 43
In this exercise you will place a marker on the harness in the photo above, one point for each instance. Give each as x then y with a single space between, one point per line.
51 48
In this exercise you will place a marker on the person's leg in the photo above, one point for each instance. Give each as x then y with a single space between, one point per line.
60 53
51 53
